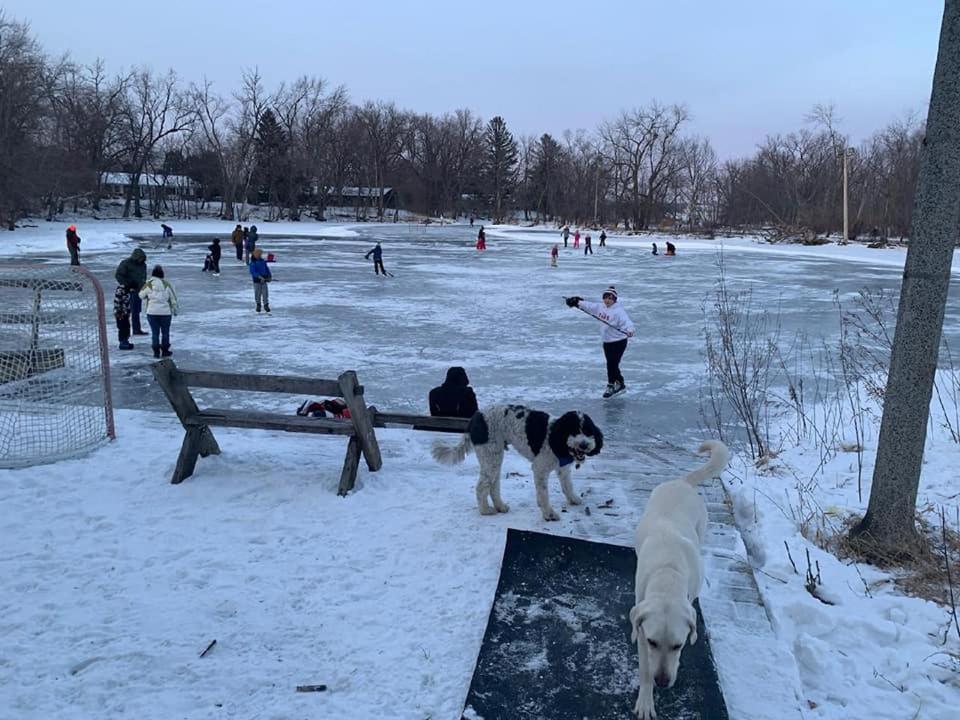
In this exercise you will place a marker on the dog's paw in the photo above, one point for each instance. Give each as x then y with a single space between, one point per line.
575 500
550 514
487 510
644 707
502 507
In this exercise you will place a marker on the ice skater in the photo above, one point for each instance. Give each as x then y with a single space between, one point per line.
73 245
377 253
260 272
566 234
481 239
603 237
554 253
576 239
587 245
236 237
617 328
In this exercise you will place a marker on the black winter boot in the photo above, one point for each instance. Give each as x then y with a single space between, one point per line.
156 351
266 308
165 351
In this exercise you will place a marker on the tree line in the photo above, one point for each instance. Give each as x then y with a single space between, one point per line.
293 150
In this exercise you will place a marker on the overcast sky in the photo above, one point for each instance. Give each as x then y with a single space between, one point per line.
744 68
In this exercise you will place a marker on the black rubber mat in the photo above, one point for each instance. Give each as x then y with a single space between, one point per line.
557 645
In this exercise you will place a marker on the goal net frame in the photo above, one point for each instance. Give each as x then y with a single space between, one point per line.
55 393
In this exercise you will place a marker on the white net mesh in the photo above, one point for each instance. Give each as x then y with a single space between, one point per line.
54 369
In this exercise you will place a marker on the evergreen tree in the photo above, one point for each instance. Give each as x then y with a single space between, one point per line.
500 163
272 157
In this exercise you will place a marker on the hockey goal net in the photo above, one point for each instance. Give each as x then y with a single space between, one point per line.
54 368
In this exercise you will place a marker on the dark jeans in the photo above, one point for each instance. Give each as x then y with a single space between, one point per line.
159 324
613 351
239 248
123 328
378 267
136 304
74 256
588 249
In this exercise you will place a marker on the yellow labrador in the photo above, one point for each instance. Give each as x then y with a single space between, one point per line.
669 572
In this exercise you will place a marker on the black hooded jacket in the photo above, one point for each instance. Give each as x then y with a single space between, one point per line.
455 398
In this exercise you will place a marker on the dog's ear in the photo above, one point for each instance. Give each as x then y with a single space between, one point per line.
692 624
562 428
638 613
589 428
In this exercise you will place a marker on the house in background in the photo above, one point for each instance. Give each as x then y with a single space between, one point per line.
115 184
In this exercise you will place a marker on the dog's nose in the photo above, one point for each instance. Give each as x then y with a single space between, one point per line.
662 680
584 444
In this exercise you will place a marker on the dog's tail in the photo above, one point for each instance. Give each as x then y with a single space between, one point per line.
719 457
452 454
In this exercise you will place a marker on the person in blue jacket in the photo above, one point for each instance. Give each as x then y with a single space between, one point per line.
377 253
260 272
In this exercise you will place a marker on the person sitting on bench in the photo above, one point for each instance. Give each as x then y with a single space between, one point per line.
455 398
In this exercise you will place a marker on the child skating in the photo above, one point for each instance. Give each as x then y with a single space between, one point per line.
617 328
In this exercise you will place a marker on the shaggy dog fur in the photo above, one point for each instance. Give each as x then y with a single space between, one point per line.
549 443
669 572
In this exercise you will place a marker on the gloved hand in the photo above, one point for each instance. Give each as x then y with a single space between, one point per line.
573 301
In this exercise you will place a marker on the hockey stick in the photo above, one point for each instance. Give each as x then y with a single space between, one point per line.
626 334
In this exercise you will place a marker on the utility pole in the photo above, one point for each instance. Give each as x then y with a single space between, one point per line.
889 526
847 154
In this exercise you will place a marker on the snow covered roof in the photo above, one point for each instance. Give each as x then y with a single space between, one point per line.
358 191
148 180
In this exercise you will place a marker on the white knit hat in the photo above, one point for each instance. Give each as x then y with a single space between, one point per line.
611 291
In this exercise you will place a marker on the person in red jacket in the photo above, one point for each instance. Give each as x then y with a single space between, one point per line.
73 245
481 239
554 253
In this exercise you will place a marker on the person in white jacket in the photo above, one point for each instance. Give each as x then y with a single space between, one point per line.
617 328
161 305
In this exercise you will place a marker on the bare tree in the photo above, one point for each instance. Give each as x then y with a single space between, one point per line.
155 108
889 524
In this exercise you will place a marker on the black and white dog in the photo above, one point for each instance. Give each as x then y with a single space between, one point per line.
549 443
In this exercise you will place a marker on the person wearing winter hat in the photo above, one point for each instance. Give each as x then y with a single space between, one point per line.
455 397
73 245
132 274
617 328
260 272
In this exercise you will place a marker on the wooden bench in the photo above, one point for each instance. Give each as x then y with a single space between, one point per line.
199 441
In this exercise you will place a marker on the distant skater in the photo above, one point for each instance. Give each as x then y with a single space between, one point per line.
249 243
377 253
566 234
587 245
671 249
213 257
167 230
554 253
603 237
576 239
655 249
481 239
73 245
236 237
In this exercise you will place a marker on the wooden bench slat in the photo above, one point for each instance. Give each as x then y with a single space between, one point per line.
270 421
289 384
421 422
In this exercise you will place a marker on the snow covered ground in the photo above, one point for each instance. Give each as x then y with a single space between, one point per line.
115 580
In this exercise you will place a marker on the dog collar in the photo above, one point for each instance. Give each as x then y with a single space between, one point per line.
565 460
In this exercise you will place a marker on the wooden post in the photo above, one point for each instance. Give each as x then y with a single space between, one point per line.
198 440
348 477
361 419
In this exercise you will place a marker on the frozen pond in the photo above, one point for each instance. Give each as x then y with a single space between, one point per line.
500 314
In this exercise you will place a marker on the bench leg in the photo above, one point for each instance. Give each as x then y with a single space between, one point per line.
348 477
197 441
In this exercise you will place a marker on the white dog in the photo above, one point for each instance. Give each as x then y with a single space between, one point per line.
669 572
550 444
